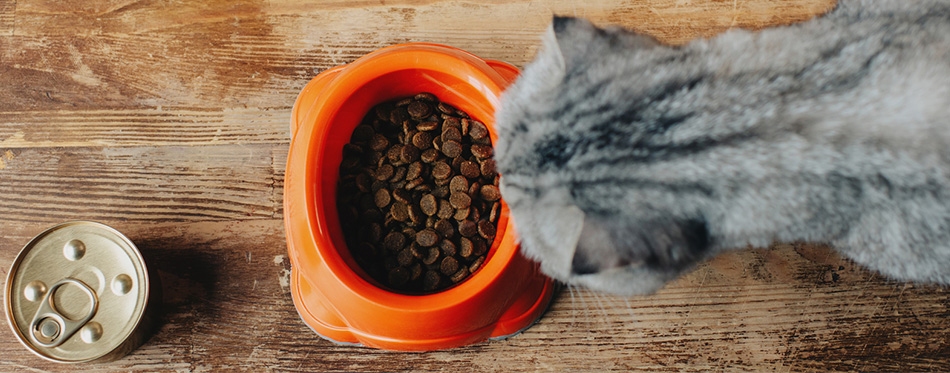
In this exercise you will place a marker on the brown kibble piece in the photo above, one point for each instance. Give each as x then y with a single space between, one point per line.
441 170
352 150
467 228
415 215
383 111
398 115
449 121
349 164
364 182
445 228
428 204
448 248
469 169
427 237
440 191
459 275
394 153
429 155
473 190
477 130
475 214
458 184
417 251
412 184
404 257
445 209
375 232
422 140
398 276
488 168
415 272
432 256
430 281
460 200
446 108
486 229
466 247
449 265
476 264
398 175
385 172
419 109
481 151
382 198
451 134
379 142
394 241
493 215
479 246
409 154
427 126
461 214
399 211
451 148
414 170
490 193
425 96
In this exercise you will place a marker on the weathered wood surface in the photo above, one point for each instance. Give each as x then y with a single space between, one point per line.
169 121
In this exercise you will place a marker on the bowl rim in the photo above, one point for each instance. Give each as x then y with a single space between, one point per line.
346 82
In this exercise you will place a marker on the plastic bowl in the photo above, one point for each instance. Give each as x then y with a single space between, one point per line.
331 293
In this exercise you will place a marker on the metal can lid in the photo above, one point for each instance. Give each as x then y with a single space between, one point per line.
76 292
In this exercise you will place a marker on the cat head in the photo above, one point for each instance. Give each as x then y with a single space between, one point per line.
583 204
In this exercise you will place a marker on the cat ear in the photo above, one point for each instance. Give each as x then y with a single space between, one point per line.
571 39
666 245
568 39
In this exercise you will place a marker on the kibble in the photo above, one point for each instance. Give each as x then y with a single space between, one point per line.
418 194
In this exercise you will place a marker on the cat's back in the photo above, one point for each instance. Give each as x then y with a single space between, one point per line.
869 72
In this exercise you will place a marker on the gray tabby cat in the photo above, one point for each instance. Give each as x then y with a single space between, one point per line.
626 162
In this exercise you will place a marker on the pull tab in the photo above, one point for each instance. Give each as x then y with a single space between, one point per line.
49 328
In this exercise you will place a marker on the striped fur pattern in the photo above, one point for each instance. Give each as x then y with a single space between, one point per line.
626 162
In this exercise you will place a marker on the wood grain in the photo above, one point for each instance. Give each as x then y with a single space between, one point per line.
791 307
7 9
169 121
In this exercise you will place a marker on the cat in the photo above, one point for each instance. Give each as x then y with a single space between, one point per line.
625 162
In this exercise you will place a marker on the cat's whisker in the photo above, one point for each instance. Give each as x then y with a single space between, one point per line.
633 317
599 297
573 304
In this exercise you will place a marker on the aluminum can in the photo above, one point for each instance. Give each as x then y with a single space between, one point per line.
80 292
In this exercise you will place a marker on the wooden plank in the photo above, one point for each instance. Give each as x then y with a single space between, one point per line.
7 10
146 126
672 20
794 307
181 183
149 53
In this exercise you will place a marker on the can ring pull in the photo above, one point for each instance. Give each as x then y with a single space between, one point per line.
49 327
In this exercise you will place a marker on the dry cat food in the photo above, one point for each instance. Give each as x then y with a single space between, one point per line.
418 194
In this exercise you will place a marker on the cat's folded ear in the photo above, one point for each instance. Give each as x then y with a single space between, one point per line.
570 39
668 245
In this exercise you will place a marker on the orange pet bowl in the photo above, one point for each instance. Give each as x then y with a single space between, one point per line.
332 294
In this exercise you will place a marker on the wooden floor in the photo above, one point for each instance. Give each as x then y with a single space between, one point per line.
169 121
